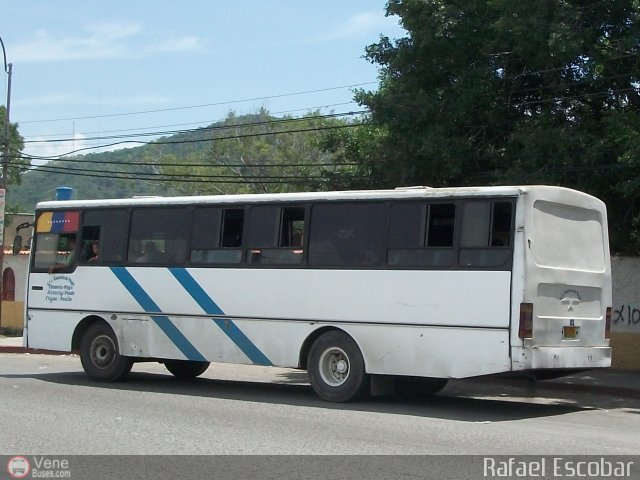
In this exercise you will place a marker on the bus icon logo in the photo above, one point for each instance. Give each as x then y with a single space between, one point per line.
18 467
571 298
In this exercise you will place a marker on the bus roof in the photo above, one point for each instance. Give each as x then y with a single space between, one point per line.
398 193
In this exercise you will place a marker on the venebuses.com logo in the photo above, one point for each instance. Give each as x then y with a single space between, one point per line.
18 467
38 467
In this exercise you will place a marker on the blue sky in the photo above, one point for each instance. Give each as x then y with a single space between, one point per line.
86 68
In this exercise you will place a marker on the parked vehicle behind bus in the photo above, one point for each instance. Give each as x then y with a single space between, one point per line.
405 287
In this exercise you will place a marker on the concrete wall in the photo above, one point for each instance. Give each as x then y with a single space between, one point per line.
625 319
13 312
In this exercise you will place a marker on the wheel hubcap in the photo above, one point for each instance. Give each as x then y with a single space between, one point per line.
103 351
334 366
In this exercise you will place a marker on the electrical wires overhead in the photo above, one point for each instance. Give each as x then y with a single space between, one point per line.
76 163
215 131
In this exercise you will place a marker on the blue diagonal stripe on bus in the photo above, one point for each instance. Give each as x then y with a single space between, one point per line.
150 307
226 325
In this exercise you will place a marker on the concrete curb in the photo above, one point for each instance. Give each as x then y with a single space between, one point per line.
569 385
593 389
38 351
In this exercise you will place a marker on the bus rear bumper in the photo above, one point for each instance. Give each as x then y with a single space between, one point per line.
527 358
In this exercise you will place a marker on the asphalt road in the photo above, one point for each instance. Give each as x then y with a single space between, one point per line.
49 407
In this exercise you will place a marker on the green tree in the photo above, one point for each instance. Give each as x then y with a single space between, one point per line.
16 144
503 91
256 153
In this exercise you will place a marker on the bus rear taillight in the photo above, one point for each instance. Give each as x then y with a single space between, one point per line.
526 320
607 324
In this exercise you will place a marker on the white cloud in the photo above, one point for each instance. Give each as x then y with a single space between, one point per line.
360 24
78 144
49 149
98 41
114 30
365 24
182 44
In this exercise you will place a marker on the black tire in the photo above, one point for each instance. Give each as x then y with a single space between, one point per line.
336 368
186 369
100 355
419 387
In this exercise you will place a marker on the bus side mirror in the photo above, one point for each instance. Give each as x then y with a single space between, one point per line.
17 244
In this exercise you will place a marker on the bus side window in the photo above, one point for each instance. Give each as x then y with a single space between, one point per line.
347 234
421 234
292 229
276 235
108 228
232 228
217 236
501 224
441 223
90 249
159 235
486 234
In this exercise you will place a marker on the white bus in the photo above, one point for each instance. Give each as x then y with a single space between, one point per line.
363 289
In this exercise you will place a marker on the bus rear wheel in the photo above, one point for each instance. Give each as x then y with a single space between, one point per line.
336 368
100 356
186 369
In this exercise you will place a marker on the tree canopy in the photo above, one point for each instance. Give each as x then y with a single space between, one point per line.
508 92
257 153
16 144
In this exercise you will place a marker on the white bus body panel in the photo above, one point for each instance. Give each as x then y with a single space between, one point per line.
406 322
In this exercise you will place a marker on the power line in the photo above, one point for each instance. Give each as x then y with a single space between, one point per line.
282 180
56 169
194 165
216 104
607 93
95 132
205 129
190 141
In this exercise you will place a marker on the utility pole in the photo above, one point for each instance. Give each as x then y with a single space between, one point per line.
5 142
5 139
5 170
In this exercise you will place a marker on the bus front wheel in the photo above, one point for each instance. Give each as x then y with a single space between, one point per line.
100 356
186 369
336 368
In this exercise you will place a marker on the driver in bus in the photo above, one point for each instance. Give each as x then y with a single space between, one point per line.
66 264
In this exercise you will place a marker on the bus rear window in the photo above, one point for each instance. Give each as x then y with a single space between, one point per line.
567 237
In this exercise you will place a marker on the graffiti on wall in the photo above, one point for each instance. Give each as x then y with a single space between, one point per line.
625 317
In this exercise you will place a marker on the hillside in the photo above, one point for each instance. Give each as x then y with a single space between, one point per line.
241 154
40 184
